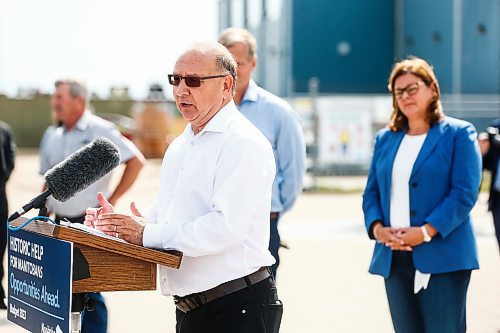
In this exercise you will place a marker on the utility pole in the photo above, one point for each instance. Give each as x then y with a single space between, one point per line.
313 94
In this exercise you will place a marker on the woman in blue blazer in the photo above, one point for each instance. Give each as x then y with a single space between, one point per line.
423 182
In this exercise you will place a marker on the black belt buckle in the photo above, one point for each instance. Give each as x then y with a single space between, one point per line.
190 303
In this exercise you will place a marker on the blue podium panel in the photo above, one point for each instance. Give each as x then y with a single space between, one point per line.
39 282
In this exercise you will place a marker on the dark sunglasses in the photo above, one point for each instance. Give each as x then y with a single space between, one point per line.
191 81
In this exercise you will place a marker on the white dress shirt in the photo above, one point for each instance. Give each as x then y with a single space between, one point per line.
213 204
400 192
58 143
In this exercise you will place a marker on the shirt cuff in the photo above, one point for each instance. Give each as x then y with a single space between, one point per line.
152 236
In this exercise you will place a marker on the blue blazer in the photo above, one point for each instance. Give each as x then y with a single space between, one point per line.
444 184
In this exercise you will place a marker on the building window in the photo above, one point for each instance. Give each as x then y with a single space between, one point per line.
237 13
254 8
274 9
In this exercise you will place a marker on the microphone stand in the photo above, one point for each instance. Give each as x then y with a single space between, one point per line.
43 210
79 303
37 202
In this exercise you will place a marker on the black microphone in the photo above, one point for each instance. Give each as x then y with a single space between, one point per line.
77 172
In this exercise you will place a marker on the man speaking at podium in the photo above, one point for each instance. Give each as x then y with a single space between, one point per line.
213 205
78 128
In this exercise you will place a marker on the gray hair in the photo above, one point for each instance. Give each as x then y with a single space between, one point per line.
224 61
232 36
76 88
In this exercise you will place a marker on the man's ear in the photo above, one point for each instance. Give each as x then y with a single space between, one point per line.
253 62
228 84
80 101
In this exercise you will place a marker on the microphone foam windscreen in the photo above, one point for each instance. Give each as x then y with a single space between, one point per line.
82 168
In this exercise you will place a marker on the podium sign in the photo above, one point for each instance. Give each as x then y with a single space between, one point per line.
49 262
39 282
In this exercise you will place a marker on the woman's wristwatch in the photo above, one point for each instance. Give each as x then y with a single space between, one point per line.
427 237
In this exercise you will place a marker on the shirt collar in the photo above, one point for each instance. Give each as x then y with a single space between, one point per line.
251 94
219 122
83 123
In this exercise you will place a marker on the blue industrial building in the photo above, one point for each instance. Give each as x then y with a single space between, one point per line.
350 45
332 59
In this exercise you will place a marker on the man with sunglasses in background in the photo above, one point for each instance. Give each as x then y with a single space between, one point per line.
213 205
276 120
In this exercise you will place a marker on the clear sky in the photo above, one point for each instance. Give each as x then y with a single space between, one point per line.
106 43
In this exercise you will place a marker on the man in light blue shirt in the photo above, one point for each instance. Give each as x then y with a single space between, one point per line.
276 120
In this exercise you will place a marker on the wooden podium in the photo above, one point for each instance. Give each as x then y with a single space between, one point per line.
113 265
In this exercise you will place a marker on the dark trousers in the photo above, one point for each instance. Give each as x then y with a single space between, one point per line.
495 209
93 321
3 235
438 309
254 309
274 242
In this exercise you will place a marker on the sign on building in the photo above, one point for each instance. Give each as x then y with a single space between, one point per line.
345 130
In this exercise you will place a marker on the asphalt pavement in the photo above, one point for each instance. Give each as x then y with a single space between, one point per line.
323 279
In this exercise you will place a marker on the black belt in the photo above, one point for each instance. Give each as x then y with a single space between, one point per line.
76 219
193 301
274 215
